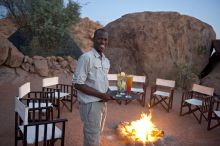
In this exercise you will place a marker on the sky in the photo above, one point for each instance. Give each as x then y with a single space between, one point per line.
106 11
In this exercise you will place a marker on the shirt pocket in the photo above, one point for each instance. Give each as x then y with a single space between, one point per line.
106 67
95 71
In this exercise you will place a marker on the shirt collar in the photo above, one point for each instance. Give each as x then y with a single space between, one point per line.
96 54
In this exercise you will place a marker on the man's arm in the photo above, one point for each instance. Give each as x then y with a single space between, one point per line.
91 91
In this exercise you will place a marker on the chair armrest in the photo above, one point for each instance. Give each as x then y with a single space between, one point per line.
67 88
47 122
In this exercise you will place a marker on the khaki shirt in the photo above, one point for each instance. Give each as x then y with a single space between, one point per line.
92 70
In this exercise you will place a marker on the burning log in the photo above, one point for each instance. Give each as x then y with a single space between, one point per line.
140 132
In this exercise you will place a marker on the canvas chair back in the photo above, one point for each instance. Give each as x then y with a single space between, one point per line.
112 77
22 110
167 83
203 89
139 79
50 81
24 89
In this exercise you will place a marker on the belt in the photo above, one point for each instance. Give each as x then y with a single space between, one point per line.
101 101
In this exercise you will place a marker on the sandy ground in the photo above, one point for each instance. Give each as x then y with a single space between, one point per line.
179 131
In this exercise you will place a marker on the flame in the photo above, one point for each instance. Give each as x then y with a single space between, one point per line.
142 130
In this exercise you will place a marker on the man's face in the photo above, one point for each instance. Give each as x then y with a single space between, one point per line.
100 41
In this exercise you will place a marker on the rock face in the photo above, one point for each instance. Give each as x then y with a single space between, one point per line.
15 67
160 45
213 79
7 27
15 58
83 33
4 49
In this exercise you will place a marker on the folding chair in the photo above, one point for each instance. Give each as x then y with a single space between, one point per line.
35 99
162 93
214 113
139 87
63 92
45 132
197 102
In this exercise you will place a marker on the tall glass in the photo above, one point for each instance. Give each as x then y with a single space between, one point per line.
129 85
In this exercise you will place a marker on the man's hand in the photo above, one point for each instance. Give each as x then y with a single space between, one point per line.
106 97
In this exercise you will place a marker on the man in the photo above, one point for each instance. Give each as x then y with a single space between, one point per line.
90 79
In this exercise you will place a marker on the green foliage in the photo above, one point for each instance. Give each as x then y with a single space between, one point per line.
47 20
186 76
50 21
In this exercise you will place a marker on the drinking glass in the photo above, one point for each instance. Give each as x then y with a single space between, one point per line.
129 85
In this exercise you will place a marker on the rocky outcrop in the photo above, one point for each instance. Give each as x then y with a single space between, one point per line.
10 54
7 27
41 66
83 33
14 63
213 79
4 49
15 57
160 45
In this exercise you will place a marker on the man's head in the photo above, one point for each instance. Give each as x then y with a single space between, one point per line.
100 40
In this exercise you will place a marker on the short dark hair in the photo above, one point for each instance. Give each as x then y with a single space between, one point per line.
99 30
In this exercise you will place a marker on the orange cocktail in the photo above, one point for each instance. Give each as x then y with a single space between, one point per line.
129 84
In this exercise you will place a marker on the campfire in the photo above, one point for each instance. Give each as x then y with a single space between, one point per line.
141 131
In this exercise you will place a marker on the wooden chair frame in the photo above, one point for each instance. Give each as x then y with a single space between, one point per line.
162 93
197 102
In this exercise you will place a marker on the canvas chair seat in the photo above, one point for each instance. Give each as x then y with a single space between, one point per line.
137 90
113 88
217 113
162 93
194 101
31 130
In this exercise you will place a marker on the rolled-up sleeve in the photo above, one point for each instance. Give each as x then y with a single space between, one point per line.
81 72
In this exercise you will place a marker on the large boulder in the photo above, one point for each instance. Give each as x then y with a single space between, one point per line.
41 66
213 79
159 45
4 49
15 57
